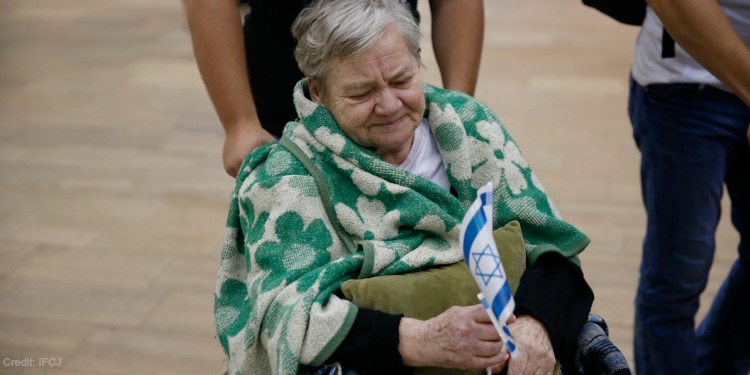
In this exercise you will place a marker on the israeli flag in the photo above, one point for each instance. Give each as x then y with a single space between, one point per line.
480 253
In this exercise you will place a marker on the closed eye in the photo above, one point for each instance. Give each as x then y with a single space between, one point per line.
360 95
402 82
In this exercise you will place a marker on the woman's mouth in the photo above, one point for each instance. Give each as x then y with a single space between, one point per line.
391 122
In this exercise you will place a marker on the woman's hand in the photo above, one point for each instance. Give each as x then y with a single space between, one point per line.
461 337
535 354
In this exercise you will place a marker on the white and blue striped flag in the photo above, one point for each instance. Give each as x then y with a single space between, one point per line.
480 253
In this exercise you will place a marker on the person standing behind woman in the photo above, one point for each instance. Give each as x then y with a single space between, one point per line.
249 70
690 115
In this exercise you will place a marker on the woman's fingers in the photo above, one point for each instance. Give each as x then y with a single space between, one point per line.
463 337
512 319
487 348
504 358
495 363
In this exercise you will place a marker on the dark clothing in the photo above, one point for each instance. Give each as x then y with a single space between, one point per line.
273 71
554 292
371 346
269 52
692 139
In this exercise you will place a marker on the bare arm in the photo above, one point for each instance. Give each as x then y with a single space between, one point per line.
219 49
457 37
702 29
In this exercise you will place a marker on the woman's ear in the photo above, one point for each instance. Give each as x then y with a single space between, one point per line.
314 88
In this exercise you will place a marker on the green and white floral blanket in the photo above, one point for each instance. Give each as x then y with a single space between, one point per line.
282 259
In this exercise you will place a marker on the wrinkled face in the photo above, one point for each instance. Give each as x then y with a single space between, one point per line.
376 98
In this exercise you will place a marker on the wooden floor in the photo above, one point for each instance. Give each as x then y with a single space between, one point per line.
113 197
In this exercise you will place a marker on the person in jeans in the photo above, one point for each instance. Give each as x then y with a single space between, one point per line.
690 116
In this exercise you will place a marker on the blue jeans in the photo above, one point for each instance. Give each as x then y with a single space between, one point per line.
693 141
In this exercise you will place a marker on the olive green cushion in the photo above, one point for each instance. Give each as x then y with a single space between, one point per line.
428 293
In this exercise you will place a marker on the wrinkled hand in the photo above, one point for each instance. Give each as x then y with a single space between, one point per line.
240 141
461 337
535 354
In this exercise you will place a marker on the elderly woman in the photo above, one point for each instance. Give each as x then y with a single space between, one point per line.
393 164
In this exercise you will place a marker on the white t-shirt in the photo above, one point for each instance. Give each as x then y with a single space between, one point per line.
649 67
424 159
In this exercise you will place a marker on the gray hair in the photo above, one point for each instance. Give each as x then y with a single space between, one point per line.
347 28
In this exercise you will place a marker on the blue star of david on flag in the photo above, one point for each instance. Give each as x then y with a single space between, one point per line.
480 254
495 269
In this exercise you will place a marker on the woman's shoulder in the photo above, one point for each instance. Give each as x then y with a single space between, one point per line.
269 164
466 107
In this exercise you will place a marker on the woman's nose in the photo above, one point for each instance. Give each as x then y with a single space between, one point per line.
388 102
